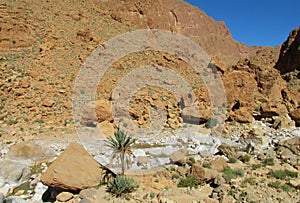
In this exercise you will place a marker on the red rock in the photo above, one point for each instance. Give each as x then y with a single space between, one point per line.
179 157
202 174
73 170
103 110
295 115
289 59
48 103
64 196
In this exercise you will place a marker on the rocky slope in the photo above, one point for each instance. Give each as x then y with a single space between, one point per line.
43 49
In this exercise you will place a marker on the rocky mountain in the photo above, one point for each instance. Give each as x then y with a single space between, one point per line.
43 48
289 54
183 18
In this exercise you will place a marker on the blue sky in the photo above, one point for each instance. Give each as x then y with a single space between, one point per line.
264 22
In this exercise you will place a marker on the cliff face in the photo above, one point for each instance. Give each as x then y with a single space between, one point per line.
289 59
183 18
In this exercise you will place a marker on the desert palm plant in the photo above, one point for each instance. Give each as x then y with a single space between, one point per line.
121 146
121 185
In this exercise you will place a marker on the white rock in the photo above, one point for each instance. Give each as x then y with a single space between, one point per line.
139 152
296 132
168 150
14 172
160 162
39 190
102 159
5 188
17 199
1 197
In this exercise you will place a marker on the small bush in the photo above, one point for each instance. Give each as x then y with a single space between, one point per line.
256 166
12 122
230 174
191 161
212 122
246 158
286 187
206 164
275 184
283 174
268 162
232 160
190 181
152 195
40 121
243 194
175 176
232 192
250 181
122 185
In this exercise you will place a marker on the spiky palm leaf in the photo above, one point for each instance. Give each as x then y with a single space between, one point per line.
121 145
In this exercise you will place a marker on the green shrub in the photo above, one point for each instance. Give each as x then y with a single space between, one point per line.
175 176
191 161
152 195
286 187
250 181
230 174
40 121
12 122
243 194
275 184
122 185
256 166
232 192
232 160
246 158
212 122
283 174
268 162
190 181
206 164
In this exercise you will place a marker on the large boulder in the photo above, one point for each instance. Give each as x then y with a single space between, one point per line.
12 173
240 89
74 170
292 144
242 115
202 174
218 164
30 151
270 109
195 114
97 111
179 157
